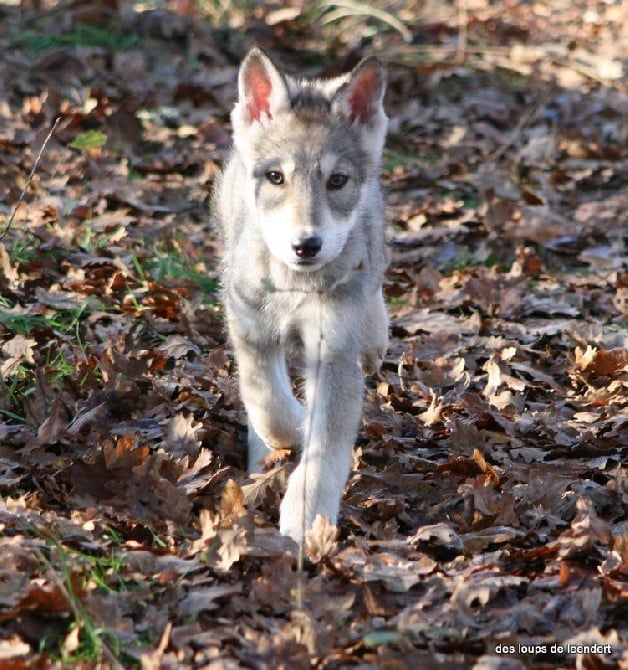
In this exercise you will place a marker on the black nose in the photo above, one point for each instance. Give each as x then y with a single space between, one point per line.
308 247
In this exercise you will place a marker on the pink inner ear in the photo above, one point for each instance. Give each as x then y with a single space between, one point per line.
258 90
361 94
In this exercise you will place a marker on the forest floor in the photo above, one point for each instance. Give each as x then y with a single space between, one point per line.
484 523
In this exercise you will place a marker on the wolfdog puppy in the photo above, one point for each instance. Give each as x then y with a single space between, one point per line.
300 211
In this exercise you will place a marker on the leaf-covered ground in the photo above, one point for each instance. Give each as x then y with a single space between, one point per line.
484 524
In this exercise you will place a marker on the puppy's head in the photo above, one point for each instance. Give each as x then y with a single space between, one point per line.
310 147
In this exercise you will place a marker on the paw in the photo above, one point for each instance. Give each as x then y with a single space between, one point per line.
292 521
370 361
302 504
257 452
261 455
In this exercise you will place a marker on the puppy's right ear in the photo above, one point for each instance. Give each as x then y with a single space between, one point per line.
262 90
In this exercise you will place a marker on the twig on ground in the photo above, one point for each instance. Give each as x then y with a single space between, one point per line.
462 31
30 179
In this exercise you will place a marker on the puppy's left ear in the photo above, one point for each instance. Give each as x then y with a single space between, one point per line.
360 100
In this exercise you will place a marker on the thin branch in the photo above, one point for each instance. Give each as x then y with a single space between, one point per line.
526 118
81 616
462 31
30 178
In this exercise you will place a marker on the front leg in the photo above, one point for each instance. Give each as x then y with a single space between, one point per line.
275 416
334 388
375 341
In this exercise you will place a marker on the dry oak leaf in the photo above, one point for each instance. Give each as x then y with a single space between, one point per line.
587 530
181 439
275 585
397 574
202 599
7 269
18 350
437 538
52 429
231 506
478 588
12 647
44 596
265 484
233 544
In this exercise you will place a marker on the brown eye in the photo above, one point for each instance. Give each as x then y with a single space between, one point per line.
275 177
337 181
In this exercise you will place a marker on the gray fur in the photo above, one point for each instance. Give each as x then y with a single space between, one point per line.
314 134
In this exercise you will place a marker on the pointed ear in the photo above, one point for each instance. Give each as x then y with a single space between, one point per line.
263 91
360 99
